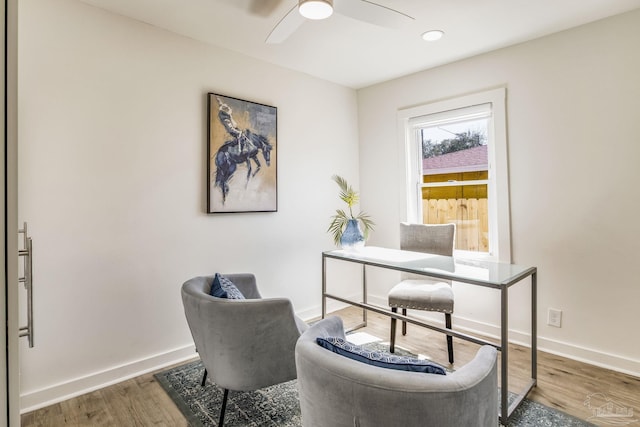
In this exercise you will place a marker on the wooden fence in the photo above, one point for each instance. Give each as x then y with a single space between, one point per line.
469 215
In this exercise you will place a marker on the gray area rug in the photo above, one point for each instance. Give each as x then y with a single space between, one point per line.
278 405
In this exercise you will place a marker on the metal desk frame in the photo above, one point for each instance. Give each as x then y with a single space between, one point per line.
422 268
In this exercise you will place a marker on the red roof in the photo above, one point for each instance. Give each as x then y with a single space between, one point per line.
471 159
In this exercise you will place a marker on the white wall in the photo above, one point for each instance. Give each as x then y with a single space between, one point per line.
112 122
572 103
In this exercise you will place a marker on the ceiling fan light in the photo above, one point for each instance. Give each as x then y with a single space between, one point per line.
315 9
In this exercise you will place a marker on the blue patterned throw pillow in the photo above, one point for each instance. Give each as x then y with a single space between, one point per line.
222 287
216 288
379 358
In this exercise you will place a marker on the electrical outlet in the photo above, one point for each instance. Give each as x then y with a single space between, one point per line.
554 318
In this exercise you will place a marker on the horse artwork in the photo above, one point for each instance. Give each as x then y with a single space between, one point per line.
241 134
233 153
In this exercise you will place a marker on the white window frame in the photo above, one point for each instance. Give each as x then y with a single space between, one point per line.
498 185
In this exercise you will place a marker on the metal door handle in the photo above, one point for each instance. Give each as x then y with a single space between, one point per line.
27 279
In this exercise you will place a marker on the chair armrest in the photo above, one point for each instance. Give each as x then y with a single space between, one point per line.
330 326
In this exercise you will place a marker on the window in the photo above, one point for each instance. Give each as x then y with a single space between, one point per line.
455 170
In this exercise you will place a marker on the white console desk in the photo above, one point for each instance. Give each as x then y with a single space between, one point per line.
489 274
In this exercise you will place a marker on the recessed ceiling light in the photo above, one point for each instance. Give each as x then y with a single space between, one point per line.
433 35
315 9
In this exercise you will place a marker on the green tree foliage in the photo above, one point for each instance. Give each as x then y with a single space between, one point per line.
462 141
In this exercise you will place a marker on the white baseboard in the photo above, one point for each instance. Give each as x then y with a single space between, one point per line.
50 395
610 361
332 305
56 393
570 351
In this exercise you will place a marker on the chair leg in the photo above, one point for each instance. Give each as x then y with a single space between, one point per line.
392 345
404 324
204 378
447 319
224 407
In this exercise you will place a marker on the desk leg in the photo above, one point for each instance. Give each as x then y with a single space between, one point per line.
534 326
324 286
364 293
504 355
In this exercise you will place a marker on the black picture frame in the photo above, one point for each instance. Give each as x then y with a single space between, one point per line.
241 155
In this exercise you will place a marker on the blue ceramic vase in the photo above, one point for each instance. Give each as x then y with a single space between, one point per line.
352 237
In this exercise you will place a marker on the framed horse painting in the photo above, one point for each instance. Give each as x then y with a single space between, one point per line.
241 156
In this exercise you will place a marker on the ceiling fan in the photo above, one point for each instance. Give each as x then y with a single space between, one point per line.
362 10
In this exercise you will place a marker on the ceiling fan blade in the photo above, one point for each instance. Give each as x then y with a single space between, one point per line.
372 13
287 26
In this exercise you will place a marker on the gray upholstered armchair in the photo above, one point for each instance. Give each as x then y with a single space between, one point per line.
243 344
337 391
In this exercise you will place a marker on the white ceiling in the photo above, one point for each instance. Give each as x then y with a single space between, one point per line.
357 54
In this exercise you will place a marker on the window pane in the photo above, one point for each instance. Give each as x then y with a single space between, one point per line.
454 152
470 214
455 147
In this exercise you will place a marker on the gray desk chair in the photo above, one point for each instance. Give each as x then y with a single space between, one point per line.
420 292
340 392
243 344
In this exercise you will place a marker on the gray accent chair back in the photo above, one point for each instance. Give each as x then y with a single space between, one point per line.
243 344
339 392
